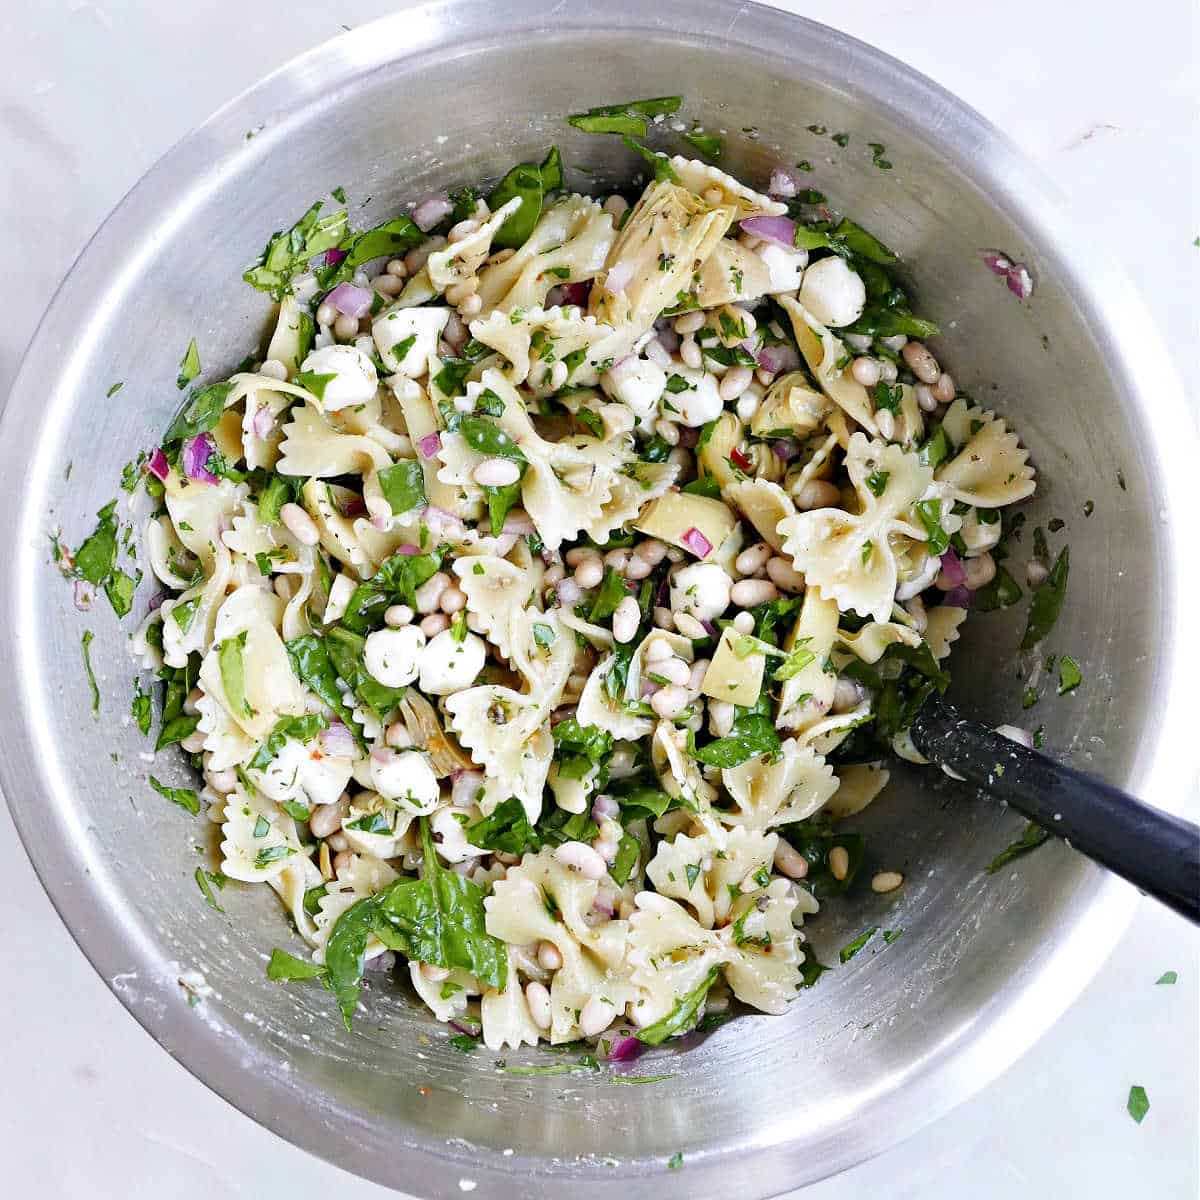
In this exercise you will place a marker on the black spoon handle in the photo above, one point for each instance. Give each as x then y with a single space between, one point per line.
1158 853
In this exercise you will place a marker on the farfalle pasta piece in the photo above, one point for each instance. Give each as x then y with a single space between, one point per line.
873 640
542 901
291 885
942 628
570 243
446 998
171 562
496 590
777 789
634 486
665 240
700 177
258 841
764 966
598 707
362 876
225 742
858 785
991 467
682 779
201 512
534 340
825 735
505 1015
708 876
187 621
313 448
829 361
456 262
764 505
849 556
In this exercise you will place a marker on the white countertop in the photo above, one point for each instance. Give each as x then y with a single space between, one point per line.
1104 98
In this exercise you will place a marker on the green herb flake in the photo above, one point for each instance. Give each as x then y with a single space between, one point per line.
1138 1104
116 387
891 935
1047 601
1167 977
184 797
1069 675
206 881
849 951
86 646
675 1161
189 366
1032 837
682 1017
284 966
403 486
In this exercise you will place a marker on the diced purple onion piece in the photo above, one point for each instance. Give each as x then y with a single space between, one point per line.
782 184
697 543
431 210
577 293
955 572
430 445
350 300
195 456
625 1049
958 597
780 230
333 256
1019 281
996 262
158 465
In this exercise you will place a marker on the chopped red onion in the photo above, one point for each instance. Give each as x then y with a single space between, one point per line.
158 465
337 741
1020 282
263 422
780 230
689 435
605 806
351 301
958 597
408 550
430 445
740 460
668 339
602 904
953 569
576 293
696 542
431 210
785 449
463 1029
156 602
83 593
782 184
996 262
333 256
625 1049
619 276
517 523
710 628
354 506
196 453
381 521
648 688
439 518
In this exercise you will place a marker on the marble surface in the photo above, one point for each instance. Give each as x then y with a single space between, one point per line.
1106 102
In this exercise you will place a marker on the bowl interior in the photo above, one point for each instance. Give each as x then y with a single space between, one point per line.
445 95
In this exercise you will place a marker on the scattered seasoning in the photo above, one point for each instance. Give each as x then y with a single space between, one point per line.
116 387
86 644
877 159
675 1161
1138 1105
890 935
848 952
842 139
1168 977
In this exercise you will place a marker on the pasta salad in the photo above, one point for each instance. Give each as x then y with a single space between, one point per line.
558 578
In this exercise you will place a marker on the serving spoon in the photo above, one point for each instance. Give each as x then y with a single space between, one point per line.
1157 852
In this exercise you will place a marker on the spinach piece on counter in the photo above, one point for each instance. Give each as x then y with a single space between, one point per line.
200 413
189 367
437 919
1047 601
1069 675
285 966
811 969
659 162
140 709
1138 1104
682 1017
1032 837
206 881
847 952
1002 592
530 182
707 145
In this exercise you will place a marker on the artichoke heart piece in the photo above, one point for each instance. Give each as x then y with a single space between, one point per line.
735 680
696 524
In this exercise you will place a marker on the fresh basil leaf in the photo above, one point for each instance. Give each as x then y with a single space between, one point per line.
141 708
119 589
643 802
930 514
96 557
706 485
184 797
395 582
1168 977
628 118
285 966
403 486
313 897
500 502
346 651
189 366
814 840
1047 601
857 240
1031 838
1138 1104
486 437
935 449
233 673
682 1017
622 867
1069 675
811 969
551 170
507 829
750 736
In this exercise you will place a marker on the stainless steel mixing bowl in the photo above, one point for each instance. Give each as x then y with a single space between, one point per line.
454 91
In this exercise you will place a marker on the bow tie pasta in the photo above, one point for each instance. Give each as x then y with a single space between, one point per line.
542 603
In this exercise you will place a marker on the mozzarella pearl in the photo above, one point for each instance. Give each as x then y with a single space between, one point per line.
701 590
392 655
448 666
833 293
354 379
405 775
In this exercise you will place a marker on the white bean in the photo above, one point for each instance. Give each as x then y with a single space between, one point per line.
589 572
690 322
345 328
300 524
734 382
752 559
453 600
746 593
326 314
397 615
980 570
465 788
921 362
925 398
743 623
886 881
784 576
193 743
434 973
659 650
674 670
496 472
325 820
434 624
638 568
596 1017
651 550
538 1000
397 268
397 736
720 717
886 421
343 859
689 352
817 493
664 618
669 702
888 371
548 956
667 430
626 620
865 371
274 369
616 207
579 856
943 390
789 861
617 559
696 674
430 592
685 623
